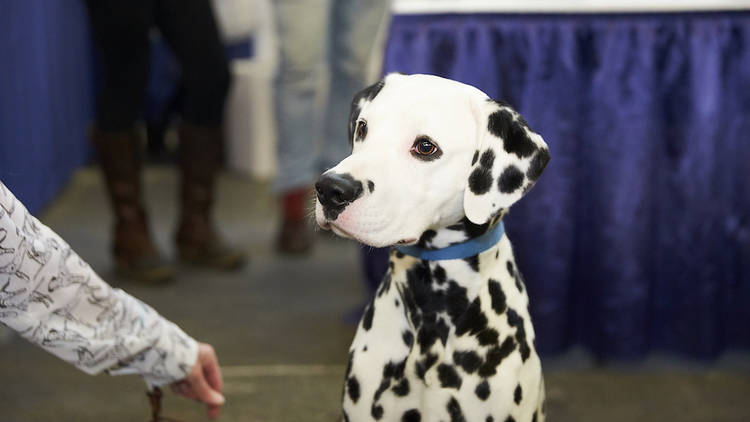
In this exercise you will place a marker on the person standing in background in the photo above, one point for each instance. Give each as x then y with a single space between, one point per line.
121 32
312 34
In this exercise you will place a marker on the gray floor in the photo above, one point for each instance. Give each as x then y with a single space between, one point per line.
279 331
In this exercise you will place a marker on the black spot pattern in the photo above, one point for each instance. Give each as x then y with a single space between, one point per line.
411 415
510 419
408 338
511 271
473 262
402 388
513 133
537 164
488 337
425 364
426 238
483 390
515 320
495 356
480 180
370 185
473 320
367 317
488 159
376 411
510 180
497 296
489 419
454 410
517 394
469 360
448 376
475 157
352 387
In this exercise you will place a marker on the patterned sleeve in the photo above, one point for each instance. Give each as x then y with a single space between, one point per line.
50 296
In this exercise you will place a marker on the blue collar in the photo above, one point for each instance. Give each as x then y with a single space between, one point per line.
462 250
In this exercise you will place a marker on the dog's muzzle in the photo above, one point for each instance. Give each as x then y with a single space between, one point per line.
335 192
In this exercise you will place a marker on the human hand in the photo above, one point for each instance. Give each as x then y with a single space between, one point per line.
204 382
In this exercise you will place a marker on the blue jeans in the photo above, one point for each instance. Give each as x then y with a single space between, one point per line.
315 35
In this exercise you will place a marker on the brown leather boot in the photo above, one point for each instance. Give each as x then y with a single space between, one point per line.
295 235
135 255
198 241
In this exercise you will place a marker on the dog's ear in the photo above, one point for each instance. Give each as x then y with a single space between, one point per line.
359 100
508 160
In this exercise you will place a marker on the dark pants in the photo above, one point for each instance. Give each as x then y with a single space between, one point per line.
121 32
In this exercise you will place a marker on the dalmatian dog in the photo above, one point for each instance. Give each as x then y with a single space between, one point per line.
435 165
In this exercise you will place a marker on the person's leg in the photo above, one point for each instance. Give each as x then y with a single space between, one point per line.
190 28
120 31
355 26
302 28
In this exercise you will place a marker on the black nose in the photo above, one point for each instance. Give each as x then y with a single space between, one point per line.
337 190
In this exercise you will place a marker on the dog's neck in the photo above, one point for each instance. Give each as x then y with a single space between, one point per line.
456 233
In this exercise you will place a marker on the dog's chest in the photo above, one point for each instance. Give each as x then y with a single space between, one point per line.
445 340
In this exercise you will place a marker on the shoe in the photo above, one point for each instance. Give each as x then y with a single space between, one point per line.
198 241
135 255
295 236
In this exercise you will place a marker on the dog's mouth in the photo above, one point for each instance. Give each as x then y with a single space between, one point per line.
328 225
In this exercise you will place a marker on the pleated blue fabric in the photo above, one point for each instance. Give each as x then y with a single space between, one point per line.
637 236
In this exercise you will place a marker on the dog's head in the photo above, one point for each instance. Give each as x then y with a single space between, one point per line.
426 151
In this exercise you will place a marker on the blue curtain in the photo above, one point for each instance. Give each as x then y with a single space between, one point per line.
46 99
637 236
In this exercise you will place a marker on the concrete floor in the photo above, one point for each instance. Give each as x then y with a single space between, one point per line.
279 330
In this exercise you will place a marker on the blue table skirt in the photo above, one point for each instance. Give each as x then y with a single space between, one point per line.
46 96
637 236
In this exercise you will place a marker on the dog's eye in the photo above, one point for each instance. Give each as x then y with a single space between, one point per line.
361 129
424 148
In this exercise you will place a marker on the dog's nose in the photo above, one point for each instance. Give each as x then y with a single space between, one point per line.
337 190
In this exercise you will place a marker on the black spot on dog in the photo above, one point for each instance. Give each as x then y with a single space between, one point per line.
425 364
511 271
394 370
408 338
534 418
510 180
349 365
515 320
431 332
488 159
510 419
475 157
384 384
370 185
396 302
488 337
537 164
426 238
385 284
499 122
473 262
473 320
439 274
480 181
483 390
352 387
497 254
469 360
519 284
517 394
489 419
376 411
411 415
364 349
448 376
497 296
495 356
402 388
367 317
399 254
513 133
454 410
